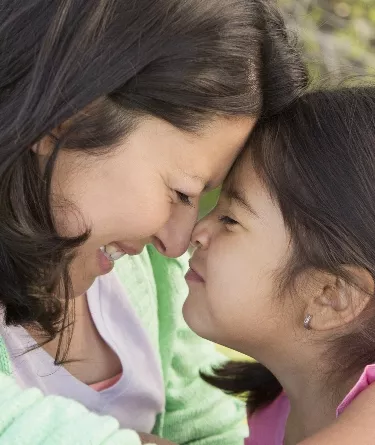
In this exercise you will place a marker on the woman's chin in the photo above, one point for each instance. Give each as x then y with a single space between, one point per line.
85 269
82 283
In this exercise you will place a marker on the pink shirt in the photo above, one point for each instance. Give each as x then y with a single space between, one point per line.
106 384
267 426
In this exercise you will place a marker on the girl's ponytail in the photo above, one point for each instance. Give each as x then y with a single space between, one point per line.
249 379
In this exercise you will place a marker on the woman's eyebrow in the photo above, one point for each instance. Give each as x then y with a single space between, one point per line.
207 187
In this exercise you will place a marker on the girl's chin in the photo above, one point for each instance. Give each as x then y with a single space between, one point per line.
193 315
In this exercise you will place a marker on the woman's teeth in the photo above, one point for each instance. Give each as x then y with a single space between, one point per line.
112 252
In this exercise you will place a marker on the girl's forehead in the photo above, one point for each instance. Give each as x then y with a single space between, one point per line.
241 171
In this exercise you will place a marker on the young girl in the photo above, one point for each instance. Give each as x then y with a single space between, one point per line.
284 266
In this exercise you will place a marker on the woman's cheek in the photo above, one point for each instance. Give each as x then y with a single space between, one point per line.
70 220
146 221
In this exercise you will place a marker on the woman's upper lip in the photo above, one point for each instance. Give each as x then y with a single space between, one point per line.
129 250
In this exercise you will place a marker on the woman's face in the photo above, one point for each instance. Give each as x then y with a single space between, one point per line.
145 191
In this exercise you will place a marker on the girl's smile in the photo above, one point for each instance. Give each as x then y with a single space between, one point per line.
192 276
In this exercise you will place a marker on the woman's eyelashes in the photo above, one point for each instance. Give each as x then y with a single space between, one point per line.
184 199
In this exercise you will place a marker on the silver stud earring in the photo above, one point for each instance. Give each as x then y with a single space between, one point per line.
307 321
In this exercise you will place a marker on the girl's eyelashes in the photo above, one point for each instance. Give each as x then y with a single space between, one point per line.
227 220
184 199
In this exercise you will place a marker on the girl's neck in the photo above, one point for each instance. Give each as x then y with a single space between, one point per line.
312 408
313 402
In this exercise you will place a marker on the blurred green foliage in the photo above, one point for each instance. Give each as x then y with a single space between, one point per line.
338 36
207 202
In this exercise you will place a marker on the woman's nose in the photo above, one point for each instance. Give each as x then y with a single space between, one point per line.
174 238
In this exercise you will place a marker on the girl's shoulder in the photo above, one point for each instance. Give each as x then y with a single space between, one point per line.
365 380
356 421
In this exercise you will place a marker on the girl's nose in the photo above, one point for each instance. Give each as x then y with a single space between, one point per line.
201 236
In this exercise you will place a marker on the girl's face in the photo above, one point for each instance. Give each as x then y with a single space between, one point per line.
145 191
241 247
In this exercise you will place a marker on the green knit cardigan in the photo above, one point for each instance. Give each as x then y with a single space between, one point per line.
194 412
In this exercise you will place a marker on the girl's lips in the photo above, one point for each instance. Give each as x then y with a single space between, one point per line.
193 276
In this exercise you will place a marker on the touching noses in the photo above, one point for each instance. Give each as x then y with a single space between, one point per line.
202 233
174 238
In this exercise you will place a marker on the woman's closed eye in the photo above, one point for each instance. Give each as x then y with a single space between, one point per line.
184 199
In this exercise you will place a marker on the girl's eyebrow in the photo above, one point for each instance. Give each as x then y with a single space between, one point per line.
239 197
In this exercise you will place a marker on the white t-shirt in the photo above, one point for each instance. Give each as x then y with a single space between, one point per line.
136 398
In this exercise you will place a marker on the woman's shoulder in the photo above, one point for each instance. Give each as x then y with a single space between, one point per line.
365 380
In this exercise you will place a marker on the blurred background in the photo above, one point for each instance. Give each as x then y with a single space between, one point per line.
338 38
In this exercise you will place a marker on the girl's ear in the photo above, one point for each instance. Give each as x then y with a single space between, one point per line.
336 303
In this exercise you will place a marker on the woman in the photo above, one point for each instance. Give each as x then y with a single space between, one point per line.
115 117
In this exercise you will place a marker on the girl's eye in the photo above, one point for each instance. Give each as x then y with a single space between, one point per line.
227 221
184 199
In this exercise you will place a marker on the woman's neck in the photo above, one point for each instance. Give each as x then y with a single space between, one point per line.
89 358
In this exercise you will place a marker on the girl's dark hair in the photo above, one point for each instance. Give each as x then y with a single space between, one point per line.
97 66
317 158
